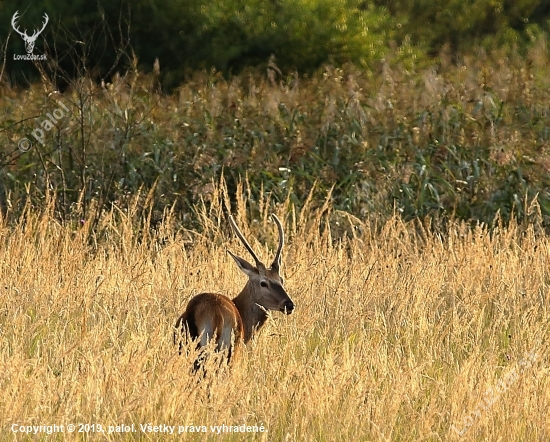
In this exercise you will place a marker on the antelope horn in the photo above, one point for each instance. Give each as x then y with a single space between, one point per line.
244 241
277 260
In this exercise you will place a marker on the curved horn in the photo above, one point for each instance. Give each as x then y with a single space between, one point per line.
277 260
244 241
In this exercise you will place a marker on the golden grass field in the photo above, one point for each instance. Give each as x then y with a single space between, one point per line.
398 334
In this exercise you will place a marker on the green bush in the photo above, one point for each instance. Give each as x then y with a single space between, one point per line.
225 34
469 142
302 34
464 25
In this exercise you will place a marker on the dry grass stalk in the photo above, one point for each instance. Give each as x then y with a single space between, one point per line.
398 334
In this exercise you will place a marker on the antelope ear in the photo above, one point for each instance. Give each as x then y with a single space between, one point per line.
244 265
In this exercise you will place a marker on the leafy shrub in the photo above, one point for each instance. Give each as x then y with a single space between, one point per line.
463 26
469 141
225 34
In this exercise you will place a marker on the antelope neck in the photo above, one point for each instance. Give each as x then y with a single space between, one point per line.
252 315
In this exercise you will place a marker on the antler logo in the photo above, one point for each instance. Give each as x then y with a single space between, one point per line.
29 40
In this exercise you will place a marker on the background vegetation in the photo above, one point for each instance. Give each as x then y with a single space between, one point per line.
466 141
302 34
296 95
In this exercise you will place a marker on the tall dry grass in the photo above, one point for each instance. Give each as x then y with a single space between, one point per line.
398 333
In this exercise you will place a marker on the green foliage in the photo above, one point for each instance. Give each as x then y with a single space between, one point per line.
470 142
463 25
230 35
302 34
225 34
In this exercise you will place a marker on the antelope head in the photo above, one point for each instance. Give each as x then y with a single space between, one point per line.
265 286
29 40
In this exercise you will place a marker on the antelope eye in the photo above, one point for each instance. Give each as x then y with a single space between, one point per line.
263 284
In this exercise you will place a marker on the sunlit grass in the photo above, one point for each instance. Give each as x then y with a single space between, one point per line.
398 333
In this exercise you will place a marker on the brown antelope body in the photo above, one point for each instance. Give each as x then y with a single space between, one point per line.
233 322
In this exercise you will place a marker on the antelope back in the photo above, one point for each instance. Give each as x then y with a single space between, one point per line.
209 316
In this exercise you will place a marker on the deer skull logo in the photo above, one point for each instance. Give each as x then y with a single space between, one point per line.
28 39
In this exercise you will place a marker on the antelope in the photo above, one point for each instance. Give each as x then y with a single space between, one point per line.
232 323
